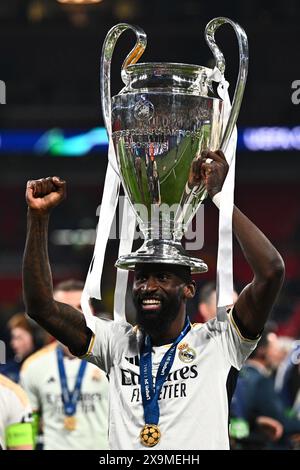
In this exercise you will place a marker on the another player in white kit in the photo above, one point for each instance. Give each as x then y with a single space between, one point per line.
170 383
15 417
88 428
69 395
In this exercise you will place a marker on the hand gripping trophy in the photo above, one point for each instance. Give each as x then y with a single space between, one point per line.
160 122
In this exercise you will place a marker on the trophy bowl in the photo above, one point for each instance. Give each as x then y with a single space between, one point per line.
160 123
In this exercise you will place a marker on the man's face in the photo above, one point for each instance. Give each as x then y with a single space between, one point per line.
21 342
158 294
72 297
275 354
208 309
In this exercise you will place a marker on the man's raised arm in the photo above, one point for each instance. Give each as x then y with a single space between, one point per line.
256 300
62 321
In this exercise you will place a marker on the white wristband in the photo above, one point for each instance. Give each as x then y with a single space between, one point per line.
217 199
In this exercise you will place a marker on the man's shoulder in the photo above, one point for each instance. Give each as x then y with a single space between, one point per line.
11 389
214 326
38 358
109 340
196 326
122 328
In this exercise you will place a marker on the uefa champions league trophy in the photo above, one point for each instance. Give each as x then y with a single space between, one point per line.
160 122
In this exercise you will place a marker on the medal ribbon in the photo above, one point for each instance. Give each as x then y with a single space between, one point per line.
69 398
151 393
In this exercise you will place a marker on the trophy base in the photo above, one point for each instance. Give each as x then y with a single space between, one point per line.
161 252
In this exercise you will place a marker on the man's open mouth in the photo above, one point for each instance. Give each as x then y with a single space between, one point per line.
151 304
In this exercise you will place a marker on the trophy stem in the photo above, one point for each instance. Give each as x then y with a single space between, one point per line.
163 229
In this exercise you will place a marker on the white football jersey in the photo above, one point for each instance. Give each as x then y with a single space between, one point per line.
40 379
194 400
14 406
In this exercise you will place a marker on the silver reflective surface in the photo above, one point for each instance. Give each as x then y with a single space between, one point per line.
162 120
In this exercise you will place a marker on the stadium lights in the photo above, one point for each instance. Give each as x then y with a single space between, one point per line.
78 2
77 143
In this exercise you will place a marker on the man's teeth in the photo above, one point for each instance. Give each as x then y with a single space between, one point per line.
151 302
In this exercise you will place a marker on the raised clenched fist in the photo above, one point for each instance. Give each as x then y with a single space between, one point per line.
44 194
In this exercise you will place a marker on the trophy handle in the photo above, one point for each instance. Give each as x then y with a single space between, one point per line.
106 57
210 30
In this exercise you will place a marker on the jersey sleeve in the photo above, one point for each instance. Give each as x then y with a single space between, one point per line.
27 380
19 407
233 344
107 341
18 426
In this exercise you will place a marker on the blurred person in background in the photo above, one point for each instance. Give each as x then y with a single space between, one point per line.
291 327
269 428
15 417
25 338
207 306
70 395
287 382
256 401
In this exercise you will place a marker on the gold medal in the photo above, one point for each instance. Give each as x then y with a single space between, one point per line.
70 423
150 435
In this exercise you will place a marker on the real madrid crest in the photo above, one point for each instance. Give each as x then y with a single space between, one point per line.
186 354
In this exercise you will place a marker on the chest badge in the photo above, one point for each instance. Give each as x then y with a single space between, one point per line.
186 354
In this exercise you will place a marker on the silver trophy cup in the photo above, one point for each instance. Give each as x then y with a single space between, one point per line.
160 122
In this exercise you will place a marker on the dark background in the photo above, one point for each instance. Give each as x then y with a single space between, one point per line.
49 60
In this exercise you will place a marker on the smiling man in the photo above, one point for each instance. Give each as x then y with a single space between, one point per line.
170 383
159 292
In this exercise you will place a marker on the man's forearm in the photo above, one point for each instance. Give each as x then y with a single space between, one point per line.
262 256
256 300
62 321
37 278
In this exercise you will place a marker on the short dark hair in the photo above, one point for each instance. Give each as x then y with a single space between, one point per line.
264 340
206 291
22 320
19 320
69 285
